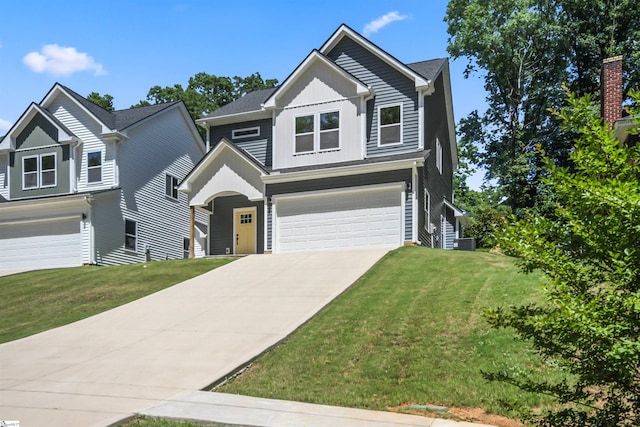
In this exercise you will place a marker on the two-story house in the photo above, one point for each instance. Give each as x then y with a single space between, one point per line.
353 149
83 185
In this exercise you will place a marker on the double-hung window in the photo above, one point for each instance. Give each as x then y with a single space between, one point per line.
130 235
94 166
39 171
317 132
390 124
171 186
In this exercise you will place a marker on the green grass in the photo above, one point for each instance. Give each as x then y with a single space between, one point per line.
409 331
36 301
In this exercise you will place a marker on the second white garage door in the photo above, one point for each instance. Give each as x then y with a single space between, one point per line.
41 245
339 220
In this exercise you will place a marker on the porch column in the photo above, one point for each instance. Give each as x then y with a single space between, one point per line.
192 226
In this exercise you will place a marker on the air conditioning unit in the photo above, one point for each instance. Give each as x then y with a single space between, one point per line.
465 244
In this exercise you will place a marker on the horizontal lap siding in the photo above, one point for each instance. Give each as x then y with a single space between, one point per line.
390 87
259 146
154 148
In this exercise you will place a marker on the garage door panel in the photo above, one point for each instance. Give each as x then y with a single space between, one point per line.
41 245
349 219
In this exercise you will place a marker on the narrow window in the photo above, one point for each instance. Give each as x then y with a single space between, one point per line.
330 130
94 166
390 125
245 132
171 186
130 235
304 134
427 211
185 247
29 172
439 156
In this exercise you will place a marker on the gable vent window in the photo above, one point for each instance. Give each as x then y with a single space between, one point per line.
39 171
390 125
94 166
317 132
171 186
245 132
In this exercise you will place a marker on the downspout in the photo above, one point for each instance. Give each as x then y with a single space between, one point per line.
414 203
92 249
192 232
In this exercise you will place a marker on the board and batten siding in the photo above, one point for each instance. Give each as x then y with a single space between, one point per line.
258 146
221 230
319 89
88 130
153 148
390 87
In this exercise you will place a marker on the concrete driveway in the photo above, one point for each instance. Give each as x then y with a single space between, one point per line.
102 369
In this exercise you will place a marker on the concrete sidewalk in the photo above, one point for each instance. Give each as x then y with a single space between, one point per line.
105 368
254 411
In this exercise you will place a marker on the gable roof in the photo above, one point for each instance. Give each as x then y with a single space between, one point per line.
429 69
315 56
250 102
421 83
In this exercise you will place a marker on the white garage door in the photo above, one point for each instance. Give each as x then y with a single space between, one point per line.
339 220
41 245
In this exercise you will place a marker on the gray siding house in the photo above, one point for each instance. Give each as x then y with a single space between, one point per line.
353 149
82 185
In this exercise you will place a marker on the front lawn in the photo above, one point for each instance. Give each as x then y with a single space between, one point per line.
35 301
410 331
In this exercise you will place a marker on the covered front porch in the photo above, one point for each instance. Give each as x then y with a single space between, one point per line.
227 188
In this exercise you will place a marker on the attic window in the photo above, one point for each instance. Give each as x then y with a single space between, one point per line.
245 132
439 156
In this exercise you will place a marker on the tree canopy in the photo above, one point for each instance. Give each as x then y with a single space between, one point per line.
525 50
589 253
105 101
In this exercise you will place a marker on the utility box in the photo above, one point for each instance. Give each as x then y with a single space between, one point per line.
465 244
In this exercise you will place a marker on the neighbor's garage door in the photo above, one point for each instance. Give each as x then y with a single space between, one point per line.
339 220
41 245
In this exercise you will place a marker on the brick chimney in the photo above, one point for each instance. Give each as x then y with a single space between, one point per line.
611 82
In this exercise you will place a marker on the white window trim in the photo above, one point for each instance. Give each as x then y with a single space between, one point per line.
37 172
380 107
173 187
55 170
134 235
316 132
439 156
251 135
95 167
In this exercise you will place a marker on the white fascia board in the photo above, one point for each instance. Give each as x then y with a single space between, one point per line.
421 83
275 178
185 185
233 118
315 56
57 89
621 128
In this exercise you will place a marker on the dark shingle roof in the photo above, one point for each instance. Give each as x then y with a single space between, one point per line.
250 102
119 119
429 69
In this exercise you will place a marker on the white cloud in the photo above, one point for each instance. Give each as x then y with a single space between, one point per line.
5 125
379 23
61 61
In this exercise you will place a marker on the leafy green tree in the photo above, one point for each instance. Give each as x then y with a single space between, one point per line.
524 50
105 101
589 252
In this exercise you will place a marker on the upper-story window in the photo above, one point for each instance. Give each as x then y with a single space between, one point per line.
39 171
439 156
171 186
390 124
245 132
94 166
317 132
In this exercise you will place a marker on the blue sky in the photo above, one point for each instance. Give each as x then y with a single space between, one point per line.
123 48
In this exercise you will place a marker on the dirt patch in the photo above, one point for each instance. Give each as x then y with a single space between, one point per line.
476 415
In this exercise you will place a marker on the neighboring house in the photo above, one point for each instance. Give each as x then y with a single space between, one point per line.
353 149
82 185
611 101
